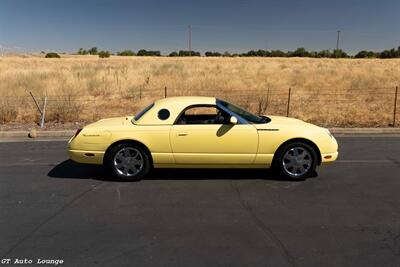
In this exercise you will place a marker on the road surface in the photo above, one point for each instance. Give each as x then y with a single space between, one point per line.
54 209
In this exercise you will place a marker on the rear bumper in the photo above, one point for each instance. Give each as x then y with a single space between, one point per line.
329 157
89 157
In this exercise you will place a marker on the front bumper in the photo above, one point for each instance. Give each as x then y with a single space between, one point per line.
329 157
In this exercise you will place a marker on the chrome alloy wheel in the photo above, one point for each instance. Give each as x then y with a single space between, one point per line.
297 161
128 161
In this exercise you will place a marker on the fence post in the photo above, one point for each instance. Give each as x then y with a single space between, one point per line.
37 105
395 106
44 112
288 102
165 92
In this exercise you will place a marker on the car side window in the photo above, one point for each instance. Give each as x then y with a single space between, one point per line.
141 113
203 115
163 114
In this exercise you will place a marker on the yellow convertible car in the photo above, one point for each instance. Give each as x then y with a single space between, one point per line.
202 132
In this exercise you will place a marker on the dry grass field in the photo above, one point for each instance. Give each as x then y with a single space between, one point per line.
343 92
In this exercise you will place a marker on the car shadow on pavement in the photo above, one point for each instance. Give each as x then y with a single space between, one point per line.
71 170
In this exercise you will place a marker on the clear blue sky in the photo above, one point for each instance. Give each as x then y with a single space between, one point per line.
233 25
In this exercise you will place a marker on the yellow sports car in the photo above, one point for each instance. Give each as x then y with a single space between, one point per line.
202 132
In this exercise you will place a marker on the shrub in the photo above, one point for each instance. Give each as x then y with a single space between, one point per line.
299 52
340 54
143 52
325 54
173 54
126 53
366 54
52 55
277 53
183 53
212 54
104 54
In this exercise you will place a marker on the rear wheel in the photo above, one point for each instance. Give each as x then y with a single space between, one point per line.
127 161
296 161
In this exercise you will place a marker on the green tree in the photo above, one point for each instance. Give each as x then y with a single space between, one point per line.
104 54
93 51
392 53
325 54
366 54
277 53
340 54
300 52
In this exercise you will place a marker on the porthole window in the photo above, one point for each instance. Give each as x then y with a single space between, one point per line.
163 114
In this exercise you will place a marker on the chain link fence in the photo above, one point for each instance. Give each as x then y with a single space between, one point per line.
344 107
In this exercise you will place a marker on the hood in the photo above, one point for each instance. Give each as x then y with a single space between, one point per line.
284 120
278 121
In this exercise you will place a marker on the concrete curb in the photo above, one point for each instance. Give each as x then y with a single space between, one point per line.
40 134
365 130
69 133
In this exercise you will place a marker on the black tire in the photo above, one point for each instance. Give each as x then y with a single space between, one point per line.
281 163
112 163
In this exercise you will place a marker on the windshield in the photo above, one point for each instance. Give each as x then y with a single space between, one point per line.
250 117
141 113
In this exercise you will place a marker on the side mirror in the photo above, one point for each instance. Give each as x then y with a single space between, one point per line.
233 120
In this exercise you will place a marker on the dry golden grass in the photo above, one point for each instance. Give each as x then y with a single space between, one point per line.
344 92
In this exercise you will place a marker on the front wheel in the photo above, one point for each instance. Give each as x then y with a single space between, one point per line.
128 162
296 161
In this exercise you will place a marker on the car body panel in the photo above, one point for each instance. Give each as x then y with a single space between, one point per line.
205 145
214 144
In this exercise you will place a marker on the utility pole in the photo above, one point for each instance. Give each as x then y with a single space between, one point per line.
190 40
337 43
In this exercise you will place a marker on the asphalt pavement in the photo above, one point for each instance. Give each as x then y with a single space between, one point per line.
54 209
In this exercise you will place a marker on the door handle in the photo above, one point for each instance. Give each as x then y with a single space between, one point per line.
182 134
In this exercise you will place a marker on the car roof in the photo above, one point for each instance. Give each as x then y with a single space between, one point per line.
174 105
